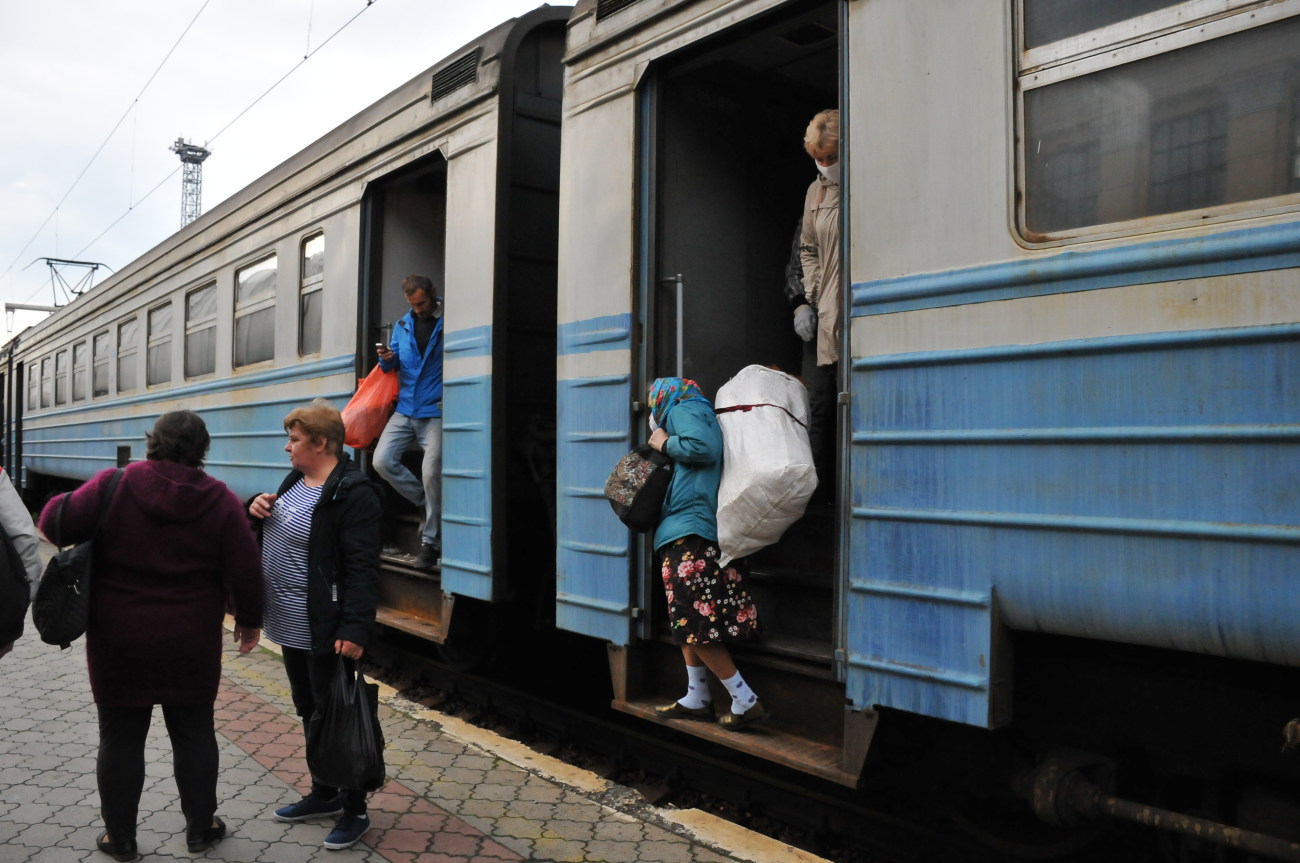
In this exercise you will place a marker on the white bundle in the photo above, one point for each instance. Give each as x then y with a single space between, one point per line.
767 468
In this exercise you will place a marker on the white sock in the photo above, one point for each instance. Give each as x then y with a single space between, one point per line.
742 697
697 688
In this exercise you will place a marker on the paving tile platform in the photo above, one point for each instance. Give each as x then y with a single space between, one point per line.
454 793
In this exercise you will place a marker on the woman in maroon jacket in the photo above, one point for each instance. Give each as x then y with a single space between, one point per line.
174 545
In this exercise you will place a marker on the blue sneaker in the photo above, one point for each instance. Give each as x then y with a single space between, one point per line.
346 833
309 807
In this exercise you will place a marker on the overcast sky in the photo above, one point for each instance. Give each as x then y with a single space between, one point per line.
71 71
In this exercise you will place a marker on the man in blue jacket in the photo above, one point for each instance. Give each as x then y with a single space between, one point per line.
416 353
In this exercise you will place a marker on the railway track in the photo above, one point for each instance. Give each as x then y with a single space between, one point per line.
575 725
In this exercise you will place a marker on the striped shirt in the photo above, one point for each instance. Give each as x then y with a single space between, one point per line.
286 533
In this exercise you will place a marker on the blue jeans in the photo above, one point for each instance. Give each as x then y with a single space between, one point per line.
403 433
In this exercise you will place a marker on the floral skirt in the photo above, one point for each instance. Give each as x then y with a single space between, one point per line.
706 603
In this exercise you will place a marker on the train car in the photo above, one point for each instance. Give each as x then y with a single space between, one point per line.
277 296
1067 483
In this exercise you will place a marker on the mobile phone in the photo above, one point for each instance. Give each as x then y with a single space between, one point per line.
379 346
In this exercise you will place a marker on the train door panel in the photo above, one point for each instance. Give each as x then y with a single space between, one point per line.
594 388
468 383
919 609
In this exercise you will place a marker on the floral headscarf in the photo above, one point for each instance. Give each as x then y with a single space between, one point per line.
667 392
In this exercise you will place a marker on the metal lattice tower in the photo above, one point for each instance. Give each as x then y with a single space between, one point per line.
192 157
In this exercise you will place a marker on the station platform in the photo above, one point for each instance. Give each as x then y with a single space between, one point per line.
454 792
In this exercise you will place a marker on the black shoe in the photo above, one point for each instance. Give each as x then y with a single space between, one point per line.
205 839
123 851
677 710
430 554
736 721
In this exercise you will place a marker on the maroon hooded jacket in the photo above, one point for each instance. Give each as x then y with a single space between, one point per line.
174 545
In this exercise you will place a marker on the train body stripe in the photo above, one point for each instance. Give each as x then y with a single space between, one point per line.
1246 251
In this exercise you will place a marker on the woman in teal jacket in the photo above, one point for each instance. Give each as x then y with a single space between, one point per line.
708 606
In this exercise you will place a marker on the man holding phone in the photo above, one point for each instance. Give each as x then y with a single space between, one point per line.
416 353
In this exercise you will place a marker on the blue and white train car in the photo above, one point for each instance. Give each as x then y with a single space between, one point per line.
1067 479
277 295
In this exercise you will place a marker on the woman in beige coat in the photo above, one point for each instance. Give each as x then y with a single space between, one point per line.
819 252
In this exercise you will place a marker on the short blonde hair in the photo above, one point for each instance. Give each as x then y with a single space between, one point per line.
320 421
823 136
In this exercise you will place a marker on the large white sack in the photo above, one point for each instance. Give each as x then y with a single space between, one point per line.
767 468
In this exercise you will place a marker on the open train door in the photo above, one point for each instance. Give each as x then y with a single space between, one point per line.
682 181
470 208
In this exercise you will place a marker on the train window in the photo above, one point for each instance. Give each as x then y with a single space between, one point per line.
255 289
127 333
33 389
61 377
99 371
1049 21
1161 116
79 372
310 294
201 331
158 360
47 382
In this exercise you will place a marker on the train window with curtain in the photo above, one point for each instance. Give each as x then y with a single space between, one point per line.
79 372
47 381
33 388
100 356
158 360
311 294
201 331
255 290
1168 113
61 377
128 333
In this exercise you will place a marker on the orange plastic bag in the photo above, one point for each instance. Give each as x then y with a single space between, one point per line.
367 413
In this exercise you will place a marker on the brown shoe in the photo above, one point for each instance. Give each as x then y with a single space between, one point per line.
736 721
677 710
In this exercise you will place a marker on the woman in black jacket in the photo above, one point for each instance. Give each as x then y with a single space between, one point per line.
320 554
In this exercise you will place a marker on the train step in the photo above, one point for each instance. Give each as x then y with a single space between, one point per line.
767 740
809 730
411 599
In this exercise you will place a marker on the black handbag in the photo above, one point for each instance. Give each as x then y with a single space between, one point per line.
61 610
637 485
345 745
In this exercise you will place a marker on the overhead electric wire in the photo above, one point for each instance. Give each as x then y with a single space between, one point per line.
293 69
107 138
232 122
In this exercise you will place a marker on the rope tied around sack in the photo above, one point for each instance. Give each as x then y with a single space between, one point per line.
748 408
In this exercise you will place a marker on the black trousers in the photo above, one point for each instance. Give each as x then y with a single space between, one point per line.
823 390
120 766
309 678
